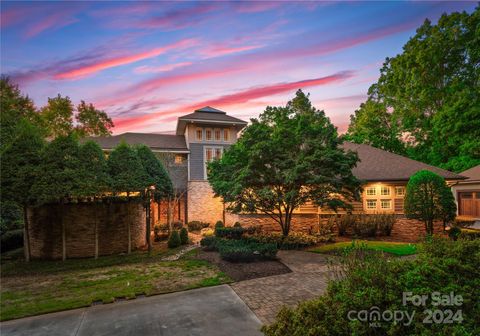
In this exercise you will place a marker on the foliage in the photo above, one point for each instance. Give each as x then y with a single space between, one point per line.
385 223
57 116
454 232
94 178
294 241
237 225
160 232
11 216
426 102
209 243
366 225
155 170
177 225
219 224
344 223
245 251
289 156
174 240
370 280
207 232
197 225
253 229
427 199
92 122
126 170
229 232
11 240
327 228
183 236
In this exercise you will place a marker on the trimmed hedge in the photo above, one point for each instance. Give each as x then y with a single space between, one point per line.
294 241
366 225
183 236
229 232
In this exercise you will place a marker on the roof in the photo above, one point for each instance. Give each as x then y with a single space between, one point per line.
208 114
472 174
165 142
379 165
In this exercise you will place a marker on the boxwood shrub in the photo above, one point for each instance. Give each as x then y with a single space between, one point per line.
246 251
229 232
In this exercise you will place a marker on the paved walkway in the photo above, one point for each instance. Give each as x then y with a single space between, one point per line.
265 296
213 311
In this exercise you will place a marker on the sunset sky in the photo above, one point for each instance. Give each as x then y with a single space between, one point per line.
146 63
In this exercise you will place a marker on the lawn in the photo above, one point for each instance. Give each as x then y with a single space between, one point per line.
47 286
398 249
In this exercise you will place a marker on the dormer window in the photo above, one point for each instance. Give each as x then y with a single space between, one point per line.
199 134
208 134
226 134
218 135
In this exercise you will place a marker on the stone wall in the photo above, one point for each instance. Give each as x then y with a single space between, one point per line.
202 205
406 230
45 229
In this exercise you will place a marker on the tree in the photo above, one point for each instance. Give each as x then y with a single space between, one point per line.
286 158
57 116
448 206
431 91
127 176
19 162
427 199
59 177
160 181
94 181
92 122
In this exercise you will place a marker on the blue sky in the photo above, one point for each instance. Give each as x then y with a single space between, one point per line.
146 63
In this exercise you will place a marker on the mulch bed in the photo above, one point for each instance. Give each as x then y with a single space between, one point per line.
244 271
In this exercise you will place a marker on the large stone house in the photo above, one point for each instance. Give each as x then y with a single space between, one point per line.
203 136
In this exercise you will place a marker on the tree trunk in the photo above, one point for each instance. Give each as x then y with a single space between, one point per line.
26 238
96 227
223 213
169 215
147 217
64 234
129 250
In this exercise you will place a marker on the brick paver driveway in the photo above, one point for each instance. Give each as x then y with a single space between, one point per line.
308 279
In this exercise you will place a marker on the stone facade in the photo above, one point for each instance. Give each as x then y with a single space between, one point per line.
45 229
202 205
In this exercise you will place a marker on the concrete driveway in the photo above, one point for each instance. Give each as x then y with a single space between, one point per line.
205 311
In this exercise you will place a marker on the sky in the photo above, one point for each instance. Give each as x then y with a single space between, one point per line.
147 63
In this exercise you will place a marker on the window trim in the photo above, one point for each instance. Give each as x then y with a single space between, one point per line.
196 133
386 188
211 134
367 189
371 200
226 131
220 135
400 188
387 200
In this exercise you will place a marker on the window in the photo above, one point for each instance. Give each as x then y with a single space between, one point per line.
208 154
226 134
208 134
400 191
371 191
178 159
218 135
211 153
371 204
384 191
199 134
386 204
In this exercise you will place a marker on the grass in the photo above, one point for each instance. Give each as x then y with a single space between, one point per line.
397 249
47 286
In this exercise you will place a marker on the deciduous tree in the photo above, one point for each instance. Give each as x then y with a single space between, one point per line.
289 156
91 121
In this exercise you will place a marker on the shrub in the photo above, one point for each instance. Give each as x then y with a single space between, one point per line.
344 223
209 243
295 240
229 232
370 280
12 240
197 225
160 232
385 223
219 224
237 225
364 225
245 251
206 232
253 229
174 239
328 227
177 225
183 236
454 232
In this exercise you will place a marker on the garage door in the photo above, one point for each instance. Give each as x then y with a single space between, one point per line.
469 204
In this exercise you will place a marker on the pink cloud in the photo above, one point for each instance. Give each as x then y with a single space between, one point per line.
54 21
104 64
232 99
162 68
217 50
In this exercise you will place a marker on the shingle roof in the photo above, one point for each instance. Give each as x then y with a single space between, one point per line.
472 173
165 142
209 114
379 165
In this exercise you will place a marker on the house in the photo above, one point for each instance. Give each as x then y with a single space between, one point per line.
467 193
203 136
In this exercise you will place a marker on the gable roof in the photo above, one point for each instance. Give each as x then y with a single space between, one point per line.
379 165
162 142
472 174
207 115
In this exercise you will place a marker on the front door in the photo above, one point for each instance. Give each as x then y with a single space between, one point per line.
469 203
